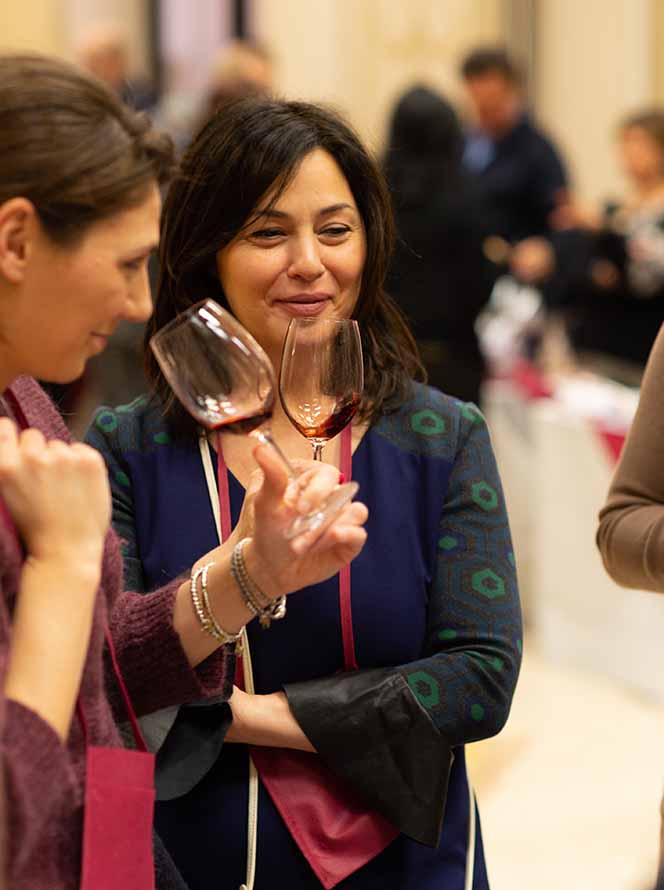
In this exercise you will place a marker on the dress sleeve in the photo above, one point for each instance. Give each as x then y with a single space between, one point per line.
153 661
391 732
630 536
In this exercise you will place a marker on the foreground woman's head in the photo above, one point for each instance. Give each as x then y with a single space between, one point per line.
278 203
79 211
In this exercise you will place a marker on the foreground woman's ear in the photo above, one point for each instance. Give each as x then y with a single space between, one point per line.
18 220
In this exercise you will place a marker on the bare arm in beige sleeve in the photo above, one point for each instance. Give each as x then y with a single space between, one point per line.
631 523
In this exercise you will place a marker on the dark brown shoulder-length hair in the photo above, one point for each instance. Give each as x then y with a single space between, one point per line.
71 147
247 150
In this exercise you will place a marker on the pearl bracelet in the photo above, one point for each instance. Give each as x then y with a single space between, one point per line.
204 613
265 609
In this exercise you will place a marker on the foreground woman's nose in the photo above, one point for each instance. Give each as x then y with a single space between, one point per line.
305 261
139 304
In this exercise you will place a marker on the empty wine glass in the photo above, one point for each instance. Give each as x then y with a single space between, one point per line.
224 379
322 377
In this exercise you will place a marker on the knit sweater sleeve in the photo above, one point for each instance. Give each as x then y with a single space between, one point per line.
390 732
631 522
38 777
149 650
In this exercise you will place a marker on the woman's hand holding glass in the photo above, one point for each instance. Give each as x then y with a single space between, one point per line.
278 563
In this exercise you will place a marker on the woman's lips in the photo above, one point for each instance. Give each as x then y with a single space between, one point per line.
299 306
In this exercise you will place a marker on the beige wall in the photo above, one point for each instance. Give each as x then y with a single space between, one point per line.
54 26
31 25
362 61
593 63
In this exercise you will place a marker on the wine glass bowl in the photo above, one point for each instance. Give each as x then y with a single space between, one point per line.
322 377
225 380
217 370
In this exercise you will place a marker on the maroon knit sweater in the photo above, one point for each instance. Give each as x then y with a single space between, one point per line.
44 779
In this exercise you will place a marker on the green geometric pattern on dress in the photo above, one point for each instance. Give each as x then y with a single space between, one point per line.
426 688
428 424
466 677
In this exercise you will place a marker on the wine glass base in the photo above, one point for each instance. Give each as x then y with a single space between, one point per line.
321 517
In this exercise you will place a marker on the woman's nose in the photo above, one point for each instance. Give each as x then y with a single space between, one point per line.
139 303
305 260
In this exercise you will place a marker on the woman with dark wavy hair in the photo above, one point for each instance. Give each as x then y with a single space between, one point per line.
364 696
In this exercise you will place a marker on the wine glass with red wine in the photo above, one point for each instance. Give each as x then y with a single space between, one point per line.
224 379
322 377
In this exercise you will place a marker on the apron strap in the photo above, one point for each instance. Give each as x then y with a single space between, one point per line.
345 602
138 735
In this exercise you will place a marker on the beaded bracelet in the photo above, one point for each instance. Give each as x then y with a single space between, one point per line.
205 614
265 609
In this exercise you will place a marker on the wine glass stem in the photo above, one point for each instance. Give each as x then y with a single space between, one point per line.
318 450
265 438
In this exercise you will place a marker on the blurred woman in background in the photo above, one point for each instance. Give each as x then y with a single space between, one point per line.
439 276
609 275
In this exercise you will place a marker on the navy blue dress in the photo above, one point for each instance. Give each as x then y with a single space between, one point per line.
434 598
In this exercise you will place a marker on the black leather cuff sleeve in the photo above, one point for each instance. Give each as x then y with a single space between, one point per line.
370 730
191 747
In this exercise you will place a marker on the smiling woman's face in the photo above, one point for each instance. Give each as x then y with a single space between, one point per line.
304 257
71 299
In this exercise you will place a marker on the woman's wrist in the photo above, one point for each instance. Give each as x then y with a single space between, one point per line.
260 572
78 564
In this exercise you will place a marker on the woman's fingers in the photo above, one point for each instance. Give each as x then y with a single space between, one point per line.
338 530
275 477
315 485
8 445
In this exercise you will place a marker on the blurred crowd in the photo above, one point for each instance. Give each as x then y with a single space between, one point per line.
482 195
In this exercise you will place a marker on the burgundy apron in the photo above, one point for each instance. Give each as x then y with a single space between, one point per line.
119 788
335 832
119 808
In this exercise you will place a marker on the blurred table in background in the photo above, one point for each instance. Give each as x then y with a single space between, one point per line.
556 445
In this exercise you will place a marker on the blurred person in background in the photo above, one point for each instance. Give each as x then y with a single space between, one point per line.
239 68
521 174
279 211
103 51
116 375
73 263
608 264
630 535
243 68
439 276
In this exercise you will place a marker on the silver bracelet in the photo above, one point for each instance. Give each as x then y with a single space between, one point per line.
205 614
265 609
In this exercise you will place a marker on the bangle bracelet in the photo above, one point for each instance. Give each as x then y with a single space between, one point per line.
265 609
205 614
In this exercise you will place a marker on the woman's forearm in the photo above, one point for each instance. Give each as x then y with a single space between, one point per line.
265 720
50 638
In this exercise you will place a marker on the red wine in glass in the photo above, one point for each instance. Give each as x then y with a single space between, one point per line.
333 424
243 425
224 379
322 377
